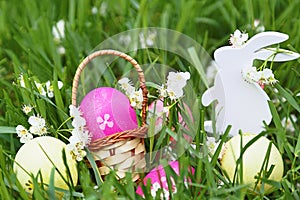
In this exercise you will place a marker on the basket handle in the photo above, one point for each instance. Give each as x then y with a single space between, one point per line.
126 57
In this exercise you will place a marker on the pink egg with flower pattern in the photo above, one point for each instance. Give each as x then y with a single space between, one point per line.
107 111
158 181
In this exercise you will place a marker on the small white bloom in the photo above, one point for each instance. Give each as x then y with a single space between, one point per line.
36 121
147 39
21 81
259 27
23 133
50 90
25 138
103 9
61 50
38 125
212 144
237 39
125 39
82 136
136 99
38 130
76 150
27 109
40 88
175 83
75 112
288 122
78 122
58 31
126 85
151 38
163 91
250 75
267 76
94 10
21 130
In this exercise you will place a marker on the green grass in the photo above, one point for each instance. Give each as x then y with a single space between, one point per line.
28 48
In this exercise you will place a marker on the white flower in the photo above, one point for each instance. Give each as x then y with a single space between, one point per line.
21 130
21 81
75 112
126 85
136 99
26 138
259 27
125 39
250 75
78 122
288 122
49 88
148 39
23 133
237 39
61 50
76 150
103 9
163 91
267 76
36 121
40 88
94 10
82 136
212 145
175 83
38 125
58 31
27 109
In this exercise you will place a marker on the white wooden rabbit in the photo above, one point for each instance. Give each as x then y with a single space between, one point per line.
239 103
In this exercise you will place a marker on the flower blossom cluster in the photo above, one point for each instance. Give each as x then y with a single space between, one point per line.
175 84
237 39
173 89
264 77
135 96
37 126
44 89
80 137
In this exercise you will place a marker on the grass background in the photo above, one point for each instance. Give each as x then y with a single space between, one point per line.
28 47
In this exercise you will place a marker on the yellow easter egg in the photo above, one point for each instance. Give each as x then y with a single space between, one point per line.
253 160
43 154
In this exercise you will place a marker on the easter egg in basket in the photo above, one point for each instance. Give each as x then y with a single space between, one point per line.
40 156
158 180
107 111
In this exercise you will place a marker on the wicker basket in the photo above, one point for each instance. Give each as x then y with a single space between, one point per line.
122 151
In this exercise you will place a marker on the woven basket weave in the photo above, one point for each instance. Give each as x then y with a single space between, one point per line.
122 151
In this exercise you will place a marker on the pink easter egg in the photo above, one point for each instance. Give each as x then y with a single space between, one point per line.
107 111
158 180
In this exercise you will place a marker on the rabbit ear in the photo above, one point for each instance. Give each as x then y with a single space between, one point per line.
285 55
264 39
